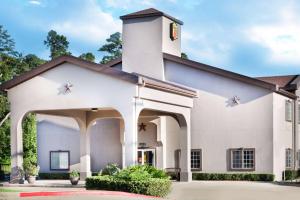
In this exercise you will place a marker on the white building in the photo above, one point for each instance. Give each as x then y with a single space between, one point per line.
152 106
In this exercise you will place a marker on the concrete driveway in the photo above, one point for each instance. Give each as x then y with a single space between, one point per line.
197 190
231 190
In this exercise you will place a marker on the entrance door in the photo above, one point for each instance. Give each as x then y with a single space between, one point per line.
146 157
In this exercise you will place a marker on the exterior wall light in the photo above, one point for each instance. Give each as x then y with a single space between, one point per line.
94 109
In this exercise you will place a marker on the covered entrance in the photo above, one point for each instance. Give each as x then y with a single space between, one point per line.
85 91
146 157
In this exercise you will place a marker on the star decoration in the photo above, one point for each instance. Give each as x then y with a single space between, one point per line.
235 100
67 87
142 127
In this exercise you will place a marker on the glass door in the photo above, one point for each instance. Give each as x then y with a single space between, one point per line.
146 157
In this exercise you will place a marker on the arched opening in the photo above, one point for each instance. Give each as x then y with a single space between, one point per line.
105 128
164 135
106 147
58 142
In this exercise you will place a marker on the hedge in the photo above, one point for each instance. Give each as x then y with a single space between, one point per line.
63 176
290 175
233 177
153 186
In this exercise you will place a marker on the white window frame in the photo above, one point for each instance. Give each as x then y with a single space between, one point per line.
199 152
288 158
298 113
288 111
59 169
242 168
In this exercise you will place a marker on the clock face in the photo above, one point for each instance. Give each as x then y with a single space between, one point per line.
173 31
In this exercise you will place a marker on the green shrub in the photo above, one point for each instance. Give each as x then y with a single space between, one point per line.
290 174
141 172
74 174
56 176
110 169
152 186
233 177
141 179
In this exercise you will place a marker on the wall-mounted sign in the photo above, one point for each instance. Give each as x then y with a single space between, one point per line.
173 31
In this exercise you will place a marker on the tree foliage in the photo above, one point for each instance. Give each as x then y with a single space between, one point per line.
29 141
11 64
184 55
7 44
113 47
58 44
88 56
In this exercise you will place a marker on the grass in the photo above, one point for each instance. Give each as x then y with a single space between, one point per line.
8 190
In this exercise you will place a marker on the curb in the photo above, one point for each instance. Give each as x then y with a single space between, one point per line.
70 193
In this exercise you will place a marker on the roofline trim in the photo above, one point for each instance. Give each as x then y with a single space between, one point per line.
157 14
105 69
220 72
166 86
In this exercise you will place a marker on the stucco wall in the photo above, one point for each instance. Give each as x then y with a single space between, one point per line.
282 135
62 133
47 91
142 46
148 136
57 133
105 143
218 125
172 141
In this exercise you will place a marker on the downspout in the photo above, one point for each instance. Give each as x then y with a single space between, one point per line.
295 132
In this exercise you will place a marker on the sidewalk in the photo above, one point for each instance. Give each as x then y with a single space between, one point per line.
46 183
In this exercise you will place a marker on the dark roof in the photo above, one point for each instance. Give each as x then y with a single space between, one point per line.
150 12
246 79
104 69
281 81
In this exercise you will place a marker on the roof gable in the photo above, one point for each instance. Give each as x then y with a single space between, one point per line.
281 81
104 69
221 72
150 12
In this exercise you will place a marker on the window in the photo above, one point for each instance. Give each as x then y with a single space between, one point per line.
242 159
299 113
298 159
196 159
288 158
288 110
59 160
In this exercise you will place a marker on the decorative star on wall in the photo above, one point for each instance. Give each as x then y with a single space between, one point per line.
67 87
235 100
142 127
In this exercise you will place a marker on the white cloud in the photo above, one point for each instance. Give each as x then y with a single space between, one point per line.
91 24
201 47
282 38
34 2
129 4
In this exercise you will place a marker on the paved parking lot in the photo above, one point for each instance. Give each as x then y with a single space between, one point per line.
197 190
233 190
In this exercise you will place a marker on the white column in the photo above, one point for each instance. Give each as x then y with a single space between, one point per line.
16 145
122 140
161 139
130 145
185 158
85 154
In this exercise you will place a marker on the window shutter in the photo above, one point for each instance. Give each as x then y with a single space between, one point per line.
288 111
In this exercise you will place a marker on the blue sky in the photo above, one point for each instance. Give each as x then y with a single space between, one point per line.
255 38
